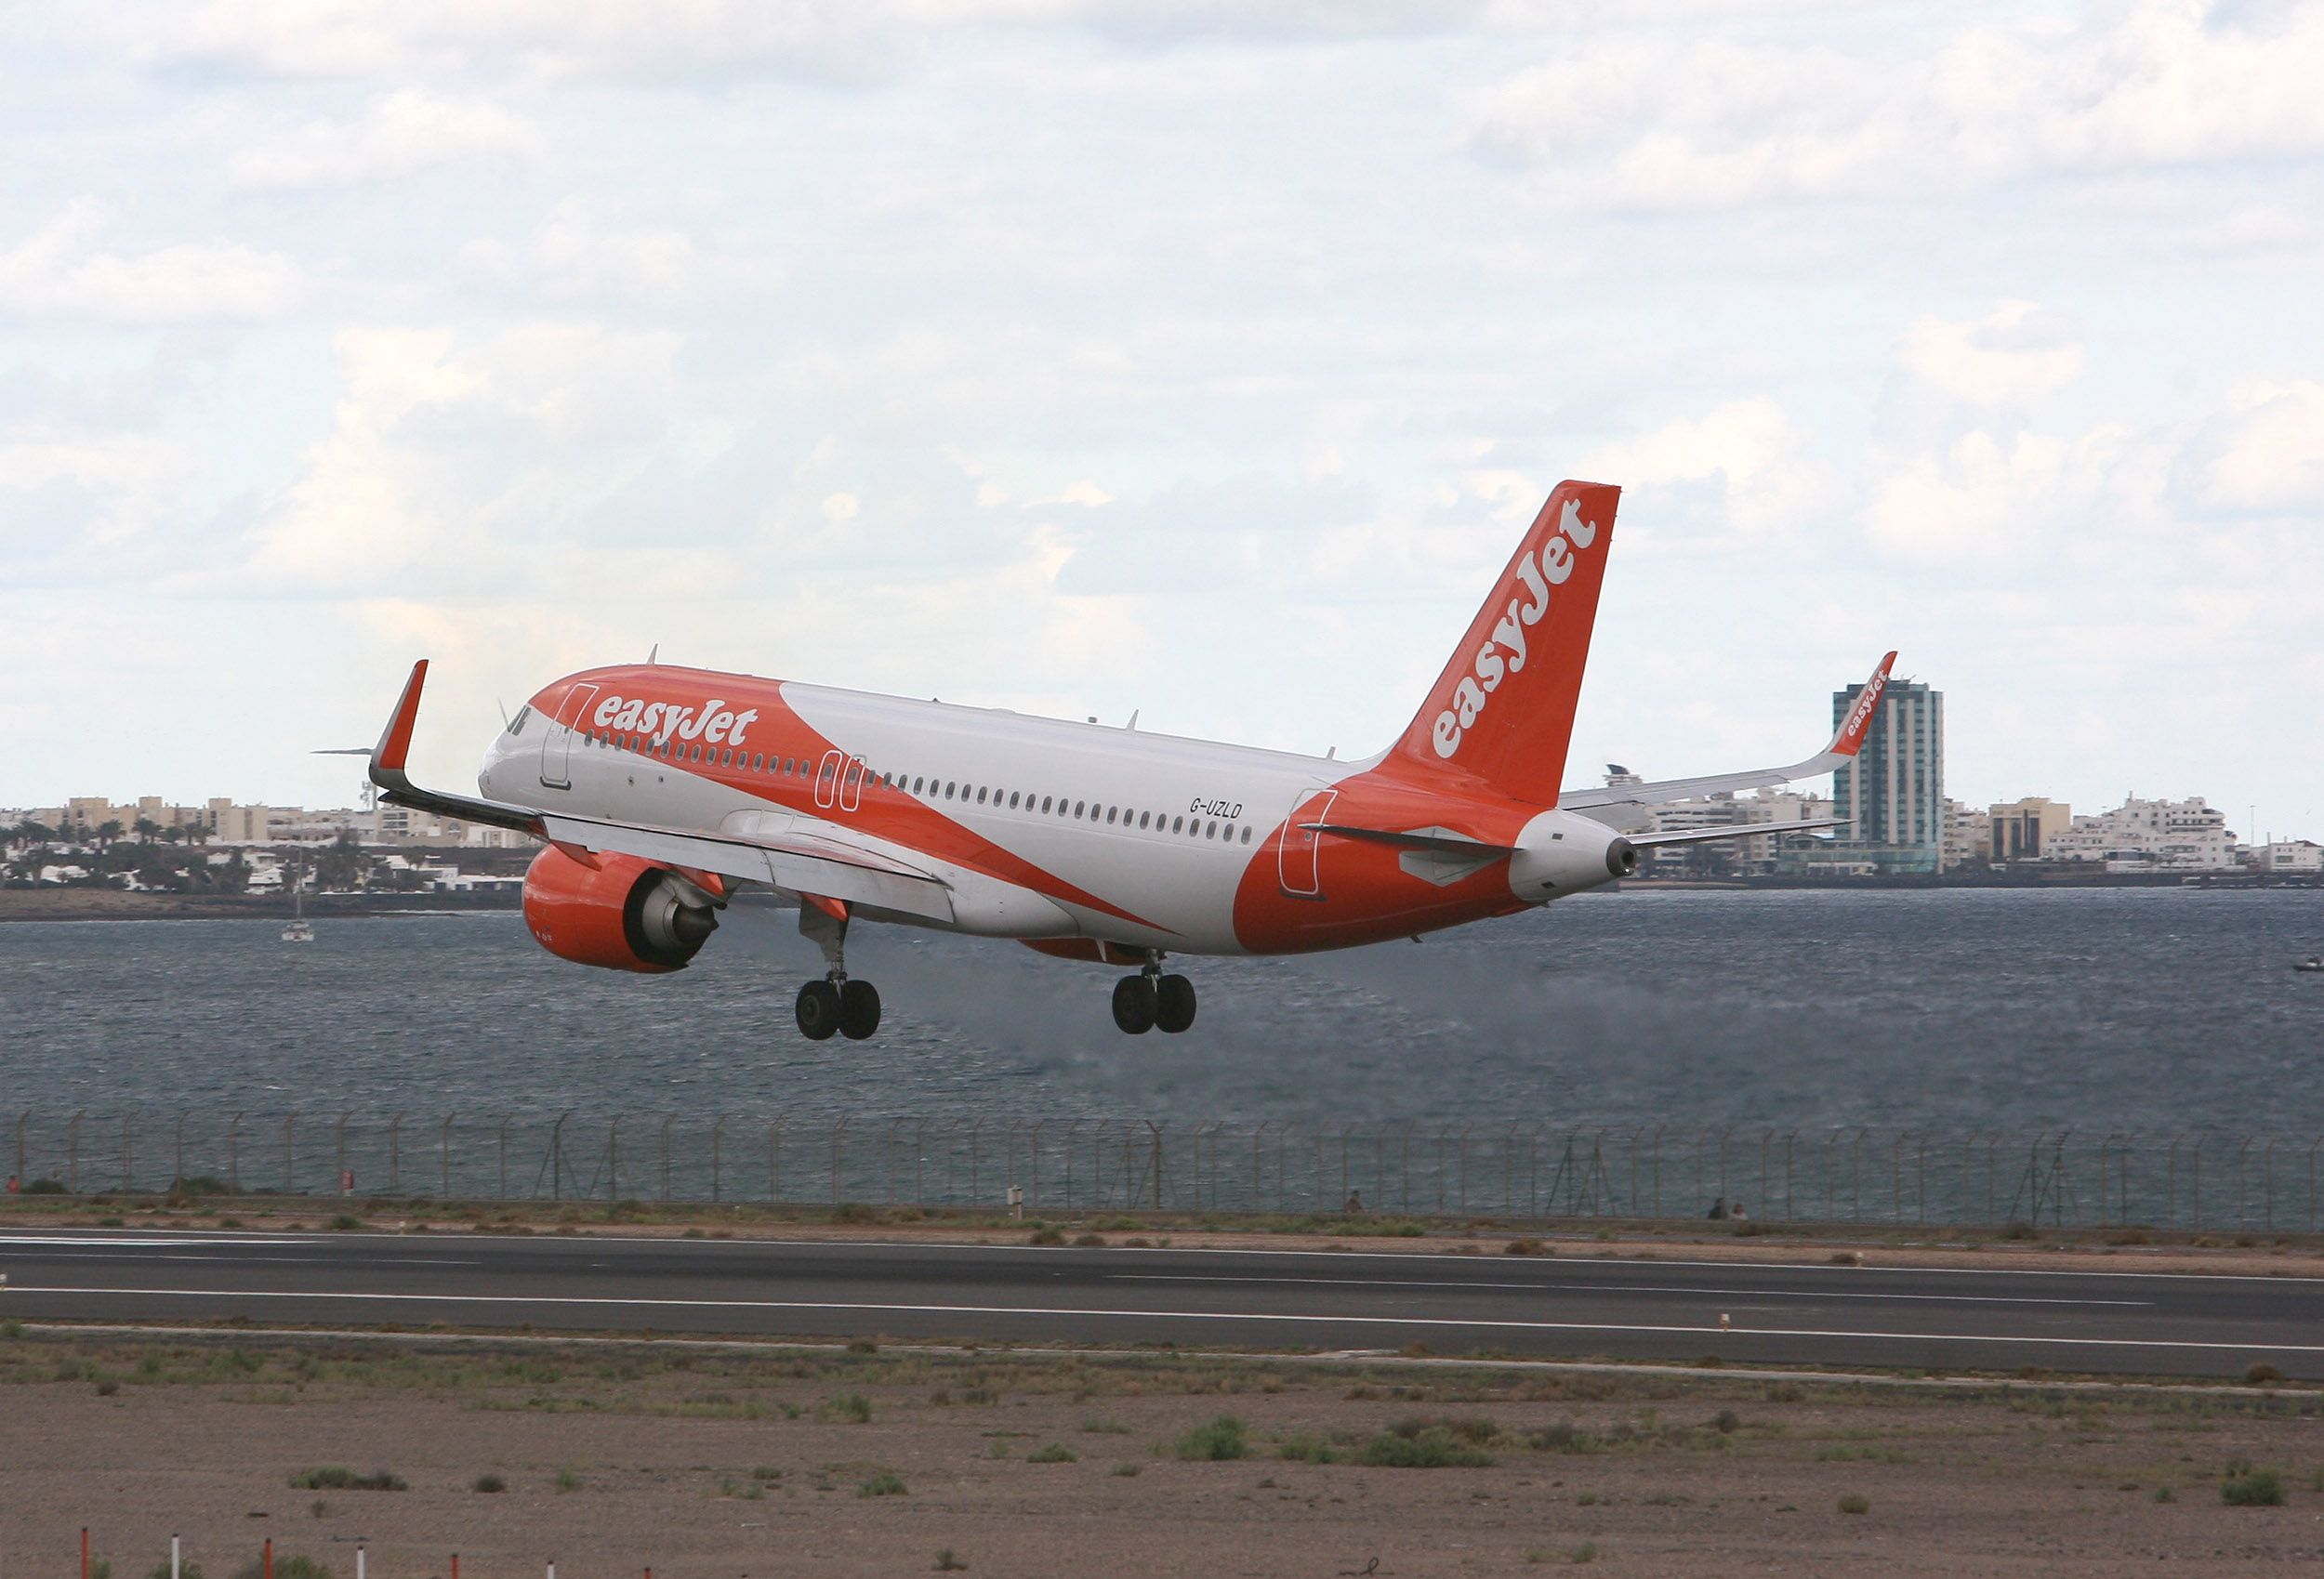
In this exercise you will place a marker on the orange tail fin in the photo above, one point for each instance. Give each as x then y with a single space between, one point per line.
1504 709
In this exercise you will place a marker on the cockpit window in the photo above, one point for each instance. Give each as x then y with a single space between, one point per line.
516 725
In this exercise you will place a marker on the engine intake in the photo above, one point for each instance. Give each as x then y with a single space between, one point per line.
622 913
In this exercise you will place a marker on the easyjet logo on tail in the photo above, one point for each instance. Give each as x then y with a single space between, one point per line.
1504 652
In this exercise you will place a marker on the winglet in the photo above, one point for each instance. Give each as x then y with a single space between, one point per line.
396 742
1849 739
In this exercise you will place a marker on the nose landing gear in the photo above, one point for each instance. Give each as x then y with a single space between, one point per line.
1151 1001
839 1003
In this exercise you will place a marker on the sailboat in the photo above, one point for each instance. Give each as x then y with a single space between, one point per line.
298 930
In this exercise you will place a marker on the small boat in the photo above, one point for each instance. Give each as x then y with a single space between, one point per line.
2314 963
298 930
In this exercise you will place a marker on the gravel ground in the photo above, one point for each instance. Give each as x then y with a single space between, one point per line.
614 1461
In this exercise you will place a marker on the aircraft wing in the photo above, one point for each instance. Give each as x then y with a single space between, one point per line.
818 863
1729 830
1845 743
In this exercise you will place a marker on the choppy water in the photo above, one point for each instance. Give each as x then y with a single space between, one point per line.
2138 1009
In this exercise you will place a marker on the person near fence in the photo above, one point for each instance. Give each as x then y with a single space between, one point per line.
1718 1213
1738 1212
1353 1205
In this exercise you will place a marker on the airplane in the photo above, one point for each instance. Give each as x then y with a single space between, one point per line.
659 792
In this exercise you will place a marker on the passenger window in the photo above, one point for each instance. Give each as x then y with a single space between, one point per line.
1145 817
1110 813
1081 806
949 787
1177 823
1247 836
1213 833
916 786
1044 803
980 797
1012 800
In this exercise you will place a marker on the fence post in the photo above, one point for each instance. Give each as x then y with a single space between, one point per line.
613 1158
504 1160
128 1157
72 1155
339 1131
21 1123
179 1175
289 1154
556 1161
838 1138
718 1133
443 1154
667 1120
395 1154
1155 1131
233 1155
2267 1173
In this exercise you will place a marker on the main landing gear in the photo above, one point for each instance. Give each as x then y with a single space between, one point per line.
1151 1001
839 1003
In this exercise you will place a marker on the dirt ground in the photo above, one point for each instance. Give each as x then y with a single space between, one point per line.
699 1464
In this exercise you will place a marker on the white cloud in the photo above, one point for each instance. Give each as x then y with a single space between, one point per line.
1749 448
399 133
2266 451
2016 350
2157 84
119 485
572 256
57 270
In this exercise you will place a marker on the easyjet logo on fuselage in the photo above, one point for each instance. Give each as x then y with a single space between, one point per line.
710 721
1550 566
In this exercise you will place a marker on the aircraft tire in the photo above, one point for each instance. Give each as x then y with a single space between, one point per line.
1174 1004
1134 1005
818 1010
859 1009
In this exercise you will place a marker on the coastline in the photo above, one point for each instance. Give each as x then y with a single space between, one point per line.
115 905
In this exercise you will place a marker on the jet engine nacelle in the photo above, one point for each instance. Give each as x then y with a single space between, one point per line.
623 913
1563 852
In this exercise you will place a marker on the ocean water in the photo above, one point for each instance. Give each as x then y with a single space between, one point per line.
2121 1009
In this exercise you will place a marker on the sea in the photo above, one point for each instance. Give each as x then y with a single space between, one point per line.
2132 1009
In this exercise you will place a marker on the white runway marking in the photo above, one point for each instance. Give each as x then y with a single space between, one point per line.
1474 1323
1621 1288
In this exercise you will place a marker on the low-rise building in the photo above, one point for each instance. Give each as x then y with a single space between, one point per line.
2021 830
2167 836
2287 857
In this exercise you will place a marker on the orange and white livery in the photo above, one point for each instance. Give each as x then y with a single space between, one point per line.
659 791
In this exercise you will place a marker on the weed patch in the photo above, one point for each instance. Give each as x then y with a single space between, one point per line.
1222 1438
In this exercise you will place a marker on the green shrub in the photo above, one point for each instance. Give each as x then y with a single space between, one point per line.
1468 1428
1047 1236
1056 1452
11 1329
887 1483
338 1477
948 1563
1223 1438
862 1346
344 1224
2261 1487
568 1480
1434 1448
1100 1425
285 1566
847 1409
1856 1502
44 1186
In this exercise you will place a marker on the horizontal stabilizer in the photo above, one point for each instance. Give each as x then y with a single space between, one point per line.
1731 830
1442 839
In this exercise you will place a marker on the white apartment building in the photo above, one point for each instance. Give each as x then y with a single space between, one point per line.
2142 835
1752 857
2289 856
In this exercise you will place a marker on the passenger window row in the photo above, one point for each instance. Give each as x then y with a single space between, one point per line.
947 789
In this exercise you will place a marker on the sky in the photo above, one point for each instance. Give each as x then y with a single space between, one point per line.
1204 357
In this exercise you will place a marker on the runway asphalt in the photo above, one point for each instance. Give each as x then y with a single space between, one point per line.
1563 1307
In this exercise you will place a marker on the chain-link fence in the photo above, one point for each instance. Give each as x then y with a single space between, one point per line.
1532 1170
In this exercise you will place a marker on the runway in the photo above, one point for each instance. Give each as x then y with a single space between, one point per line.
1561 1307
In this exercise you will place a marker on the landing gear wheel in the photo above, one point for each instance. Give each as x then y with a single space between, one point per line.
818 1010
1134 1005
859 1009
1174 1004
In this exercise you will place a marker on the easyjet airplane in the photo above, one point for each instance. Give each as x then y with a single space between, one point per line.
659 791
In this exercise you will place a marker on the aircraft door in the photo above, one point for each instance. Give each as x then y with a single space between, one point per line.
556 739
1296 864
827 781
851 784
